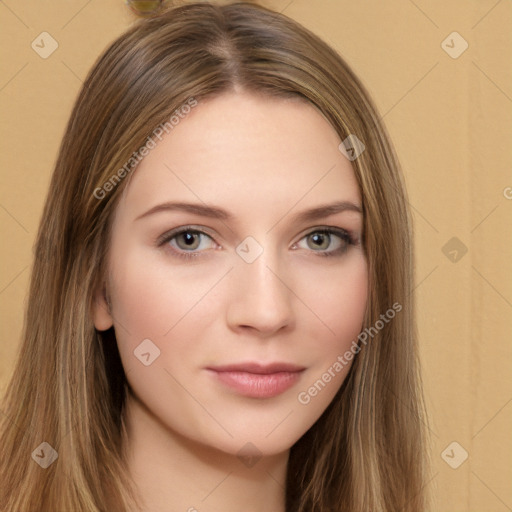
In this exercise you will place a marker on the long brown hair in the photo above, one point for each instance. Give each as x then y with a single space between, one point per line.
367 451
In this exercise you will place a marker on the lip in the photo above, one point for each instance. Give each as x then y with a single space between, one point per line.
256 380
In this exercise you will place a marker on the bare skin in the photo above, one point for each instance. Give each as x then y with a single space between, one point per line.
196 442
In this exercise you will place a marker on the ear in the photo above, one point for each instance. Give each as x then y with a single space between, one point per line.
102 316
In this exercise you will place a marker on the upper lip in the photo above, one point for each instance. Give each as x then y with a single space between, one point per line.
258 368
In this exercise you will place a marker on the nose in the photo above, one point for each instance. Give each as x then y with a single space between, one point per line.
261 297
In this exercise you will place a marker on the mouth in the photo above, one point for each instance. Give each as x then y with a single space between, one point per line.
257 380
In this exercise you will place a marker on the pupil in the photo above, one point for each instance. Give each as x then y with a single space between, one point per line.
319 239
189 238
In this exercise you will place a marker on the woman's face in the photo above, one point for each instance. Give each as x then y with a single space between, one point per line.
237 279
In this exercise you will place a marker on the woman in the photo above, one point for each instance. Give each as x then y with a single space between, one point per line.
220 312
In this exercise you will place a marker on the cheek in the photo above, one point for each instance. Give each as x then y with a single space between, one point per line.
150 297
338 298
182 315
165 304
347 313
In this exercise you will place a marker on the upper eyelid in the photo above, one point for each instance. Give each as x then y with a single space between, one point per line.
201 229
181 229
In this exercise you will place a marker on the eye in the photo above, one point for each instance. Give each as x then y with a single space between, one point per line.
187 241
327 241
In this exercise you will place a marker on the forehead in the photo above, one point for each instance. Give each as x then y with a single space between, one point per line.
245 150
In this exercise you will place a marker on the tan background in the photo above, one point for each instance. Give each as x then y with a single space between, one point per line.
450 120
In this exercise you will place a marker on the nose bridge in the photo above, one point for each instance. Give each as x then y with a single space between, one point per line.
261 275
261 298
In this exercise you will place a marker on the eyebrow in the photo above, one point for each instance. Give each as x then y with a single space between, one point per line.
216 212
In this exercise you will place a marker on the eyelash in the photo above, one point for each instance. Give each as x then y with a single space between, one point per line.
344 235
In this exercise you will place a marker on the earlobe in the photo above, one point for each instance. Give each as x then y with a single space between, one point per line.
102 316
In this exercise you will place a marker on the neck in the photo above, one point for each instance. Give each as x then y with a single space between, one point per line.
174 473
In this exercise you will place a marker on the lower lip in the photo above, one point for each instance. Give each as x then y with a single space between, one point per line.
255 385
